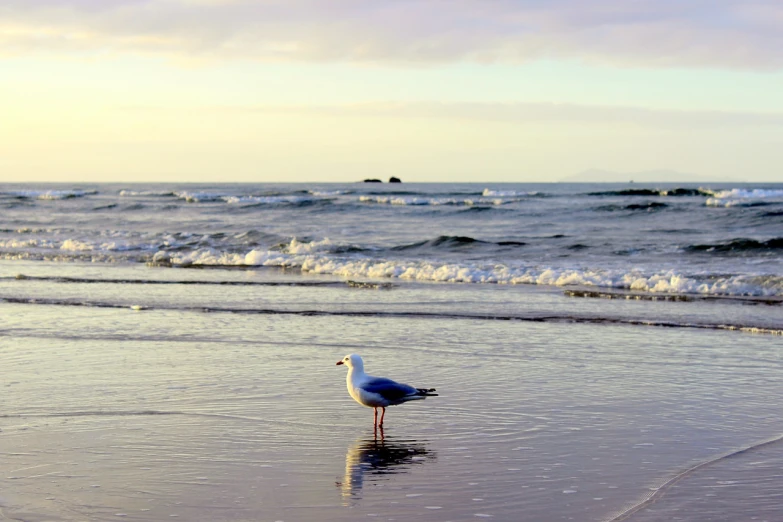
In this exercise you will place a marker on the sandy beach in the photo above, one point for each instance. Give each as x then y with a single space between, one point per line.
148 410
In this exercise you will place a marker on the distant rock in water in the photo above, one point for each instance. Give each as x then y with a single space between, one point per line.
394 180
372 180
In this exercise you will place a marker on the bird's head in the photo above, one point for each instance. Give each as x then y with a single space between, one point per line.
352 361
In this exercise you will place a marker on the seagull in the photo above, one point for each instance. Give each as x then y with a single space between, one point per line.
378 392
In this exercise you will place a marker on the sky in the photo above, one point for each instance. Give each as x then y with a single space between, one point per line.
425 90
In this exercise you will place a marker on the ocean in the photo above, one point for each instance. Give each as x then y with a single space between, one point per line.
715 241
601 351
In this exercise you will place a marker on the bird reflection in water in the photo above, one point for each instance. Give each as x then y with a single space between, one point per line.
372 460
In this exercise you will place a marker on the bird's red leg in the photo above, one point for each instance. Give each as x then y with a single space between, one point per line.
383 414
375 417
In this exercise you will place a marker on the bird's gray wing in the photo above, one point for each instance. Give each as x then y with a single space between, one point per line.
388 389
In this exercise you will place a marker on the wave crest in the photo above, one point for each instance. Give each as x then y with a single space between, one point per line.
315 257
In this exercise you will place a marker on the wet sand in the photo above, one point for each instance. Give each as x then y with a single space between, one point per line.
170 413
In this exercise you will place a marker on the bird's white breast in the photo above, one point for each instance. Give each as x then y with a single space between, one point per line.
363 397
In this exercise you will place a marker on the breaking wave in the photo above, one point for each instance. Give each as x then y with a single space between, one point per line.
490 193
433 201
320 257
745 198
146 193
208 197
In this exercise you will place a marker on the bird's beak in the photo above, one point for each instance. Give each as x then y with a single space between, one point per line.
339 363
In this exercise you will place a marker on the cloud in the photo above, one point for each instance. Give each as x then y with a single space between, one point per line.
534 113
743 34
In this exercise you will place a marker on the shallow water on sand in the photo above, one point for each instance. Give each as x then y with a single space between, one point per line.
218 402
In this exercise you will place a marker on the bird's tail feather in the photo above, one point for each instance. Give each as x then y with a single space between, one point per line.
426 392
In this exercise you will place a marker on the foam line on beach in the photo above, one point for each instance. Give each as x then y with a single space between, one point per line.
148 413
123 337
554 318
98 413
658 492
87 280
685 298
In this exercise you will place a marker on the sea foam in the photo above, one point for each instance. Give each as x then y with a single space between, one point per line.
53 195
490 193
420 201
316 257
144 193
743 197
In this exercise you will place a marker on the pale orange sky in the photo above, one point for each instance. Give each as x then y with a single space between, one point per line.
176 90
